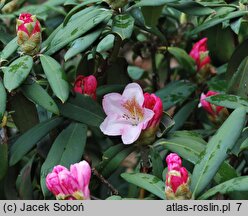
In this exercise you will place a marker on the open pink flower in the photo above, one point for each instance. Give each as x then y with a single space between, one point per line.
199 53
155 104
210 108
126 115
86 85
70 184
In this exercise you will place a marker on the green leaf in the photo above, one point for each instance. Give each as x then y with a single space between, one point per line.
148 182
157 163
235 184
151 14
229 101
216 151
38 95
81 44
244 145
106 43
142 3
3 160
24 182
67 149
238 85
113 163
28 140
56 77
237 57
191 8
3 100
84 109
105 89
123 25
80 23
217 20
9 49
175 92
183 58
17 72
135 72
183 114
24 114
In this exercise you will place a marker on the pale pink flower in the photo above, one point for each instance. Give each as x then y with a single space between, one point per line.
126 115
70 184
210 108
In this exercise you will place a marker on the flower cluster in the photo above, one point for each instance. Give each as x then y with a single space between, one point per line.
70 184
131 114
86 85
28 33
177 179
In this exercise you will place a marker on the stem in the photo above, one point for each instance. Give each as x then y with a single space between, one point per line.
154 69
104 181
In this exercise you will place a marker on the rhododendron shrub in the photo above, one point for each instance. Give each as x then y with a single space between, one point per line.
100 96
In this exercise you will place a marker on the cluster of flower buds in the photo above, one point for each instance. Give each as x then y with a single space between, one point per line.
86 85
28 34
217 114
133 115
70 184
177 179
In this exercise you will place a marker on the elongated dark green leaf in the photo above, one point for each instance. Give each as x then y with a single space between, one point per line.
28 140
17 72
77 27
81 44
39 96
9 49
24 182
192 8
148 182
115 161
244 145
24 114
151 14
123 25
3 159
56 77
238 85
182 115
143 3
184 59
237 57
105 89
217 20
229 101
216 151
157 163
235 184
67 149
175 92
84 109
3 99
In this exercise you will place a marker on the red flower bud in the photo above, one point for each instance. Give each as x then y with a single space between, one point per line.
199 53
210 108
28 33
86 85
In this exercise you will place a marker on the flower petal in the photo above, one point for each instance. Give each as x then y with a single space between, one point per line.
133 90
112 104
148 114
131 133
111 126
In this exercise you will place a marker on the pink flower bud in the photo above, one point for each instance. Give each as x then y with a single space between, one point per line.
155 104
177 179
86 85
174 161
28 33
199 53
73 184
210 108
